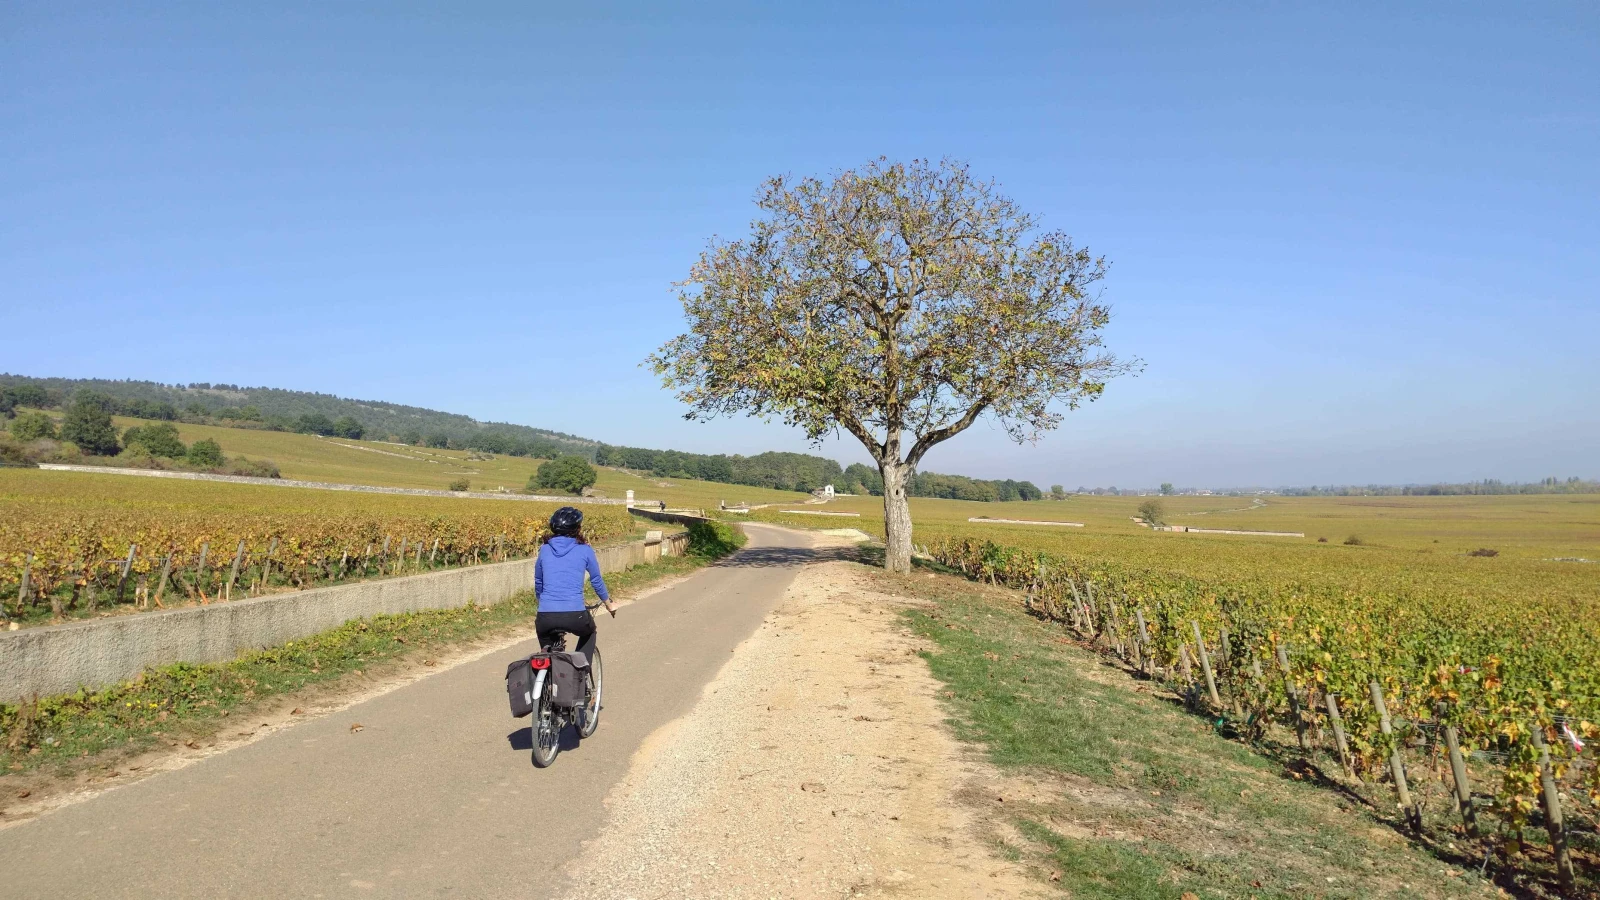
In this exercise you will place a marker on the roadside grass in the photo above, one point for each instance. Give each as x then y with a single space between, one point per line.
58 737
1121 794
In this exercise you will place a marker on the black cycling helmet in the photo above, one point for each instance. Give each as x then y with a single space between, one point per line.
566 520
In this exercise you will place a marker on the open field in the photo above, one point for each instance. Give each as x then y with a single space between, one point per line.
310 458
339 460
1535 526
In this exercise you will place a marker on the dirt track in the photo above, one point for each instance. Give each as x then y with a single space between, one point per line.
815 765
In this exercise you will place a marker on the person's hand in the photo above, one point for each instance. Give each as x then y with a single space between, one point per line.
611 608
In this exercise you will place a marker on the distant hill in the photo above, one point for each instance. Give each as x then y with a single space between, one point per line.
281 410
275 409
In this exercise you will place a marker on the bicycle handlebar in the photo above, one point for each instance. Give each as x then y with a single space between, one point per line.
589 606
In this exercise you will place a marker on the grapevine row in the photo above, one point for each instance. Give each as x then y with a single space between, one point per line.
57 560
1374 681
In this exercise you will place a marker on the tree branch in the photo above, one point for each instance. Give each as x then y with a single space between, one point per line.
927 441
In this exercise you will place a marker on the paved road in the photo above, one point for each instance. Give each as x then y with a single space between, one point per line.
435 797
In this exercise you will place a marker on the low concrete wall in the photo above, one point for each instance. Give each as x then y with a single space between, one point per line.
658 516
59 659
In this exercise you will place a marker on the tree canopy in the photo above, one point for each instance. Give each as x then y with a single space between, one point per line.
567 473
898 302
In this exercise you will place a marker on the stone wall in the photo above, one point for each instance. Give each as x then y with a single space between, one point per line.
59 659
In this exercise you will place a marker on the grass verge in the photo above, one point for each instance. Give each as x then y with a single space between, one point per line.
179 703
1121 794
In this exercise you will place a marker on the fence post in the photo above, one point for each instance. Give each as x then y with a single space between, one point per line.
1205 665
1397 763
434 552
1553 822
1294 699
1458 770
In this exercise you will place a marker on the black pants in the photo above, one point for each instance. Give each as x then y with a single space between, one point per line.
579 624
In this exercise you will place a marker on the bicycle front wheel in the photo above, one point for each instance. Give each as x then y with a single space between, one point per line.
589 716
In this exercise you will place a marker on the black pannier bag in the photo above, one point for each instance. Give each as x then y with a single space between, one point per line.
567 679
519 687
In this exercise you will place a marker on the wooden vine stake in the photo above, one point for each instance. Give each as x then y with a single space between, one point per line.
1230 679
1294 699
161 582
127 566
199 572
233 573
1458 770
22 592
1553 822
1205 666
1339 742
1136 640
1144 638
1397 763
434 552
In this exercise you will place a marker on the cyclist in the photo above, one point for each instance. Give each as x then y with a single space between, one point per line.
564 557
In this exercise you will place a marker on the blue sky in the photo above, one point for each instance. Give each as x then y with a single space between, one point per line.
1353 245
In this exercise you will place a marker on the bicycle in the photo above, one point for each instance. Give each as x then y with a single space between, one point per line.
551 718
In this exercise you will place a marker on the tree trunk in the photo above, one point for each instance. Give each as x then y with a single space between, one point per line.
896 518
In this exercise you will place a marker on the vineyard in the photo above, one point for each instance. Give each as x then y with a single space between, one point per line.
1480 702
74 545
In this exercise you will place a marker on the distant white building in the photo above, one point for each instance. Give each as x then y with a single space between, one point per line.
825 492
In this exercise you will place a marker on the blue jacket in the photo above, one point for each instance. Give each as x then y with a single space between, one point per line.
558 575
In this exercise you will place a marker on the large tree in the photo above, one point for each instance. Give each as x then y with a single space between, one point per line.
900 302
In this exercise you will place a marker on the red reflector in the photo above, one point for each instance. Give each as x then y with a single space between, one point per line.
540 662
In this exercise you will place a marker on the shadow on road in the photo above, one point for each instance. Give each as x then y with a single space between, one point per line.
780 557
522 739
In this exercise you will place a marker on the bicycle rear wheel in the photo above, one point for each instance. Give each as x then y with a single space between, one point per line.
589 715
546 727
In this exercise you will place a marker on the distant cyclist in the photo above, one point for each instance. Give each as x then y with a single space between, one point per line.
558 582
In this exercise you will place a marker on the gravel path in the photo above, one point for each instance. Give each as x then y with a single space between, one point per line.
816 764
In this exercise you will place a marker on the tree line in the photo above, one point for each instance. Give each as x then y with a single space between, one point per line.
86 432
862 479
777 470
1487 487
272 409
